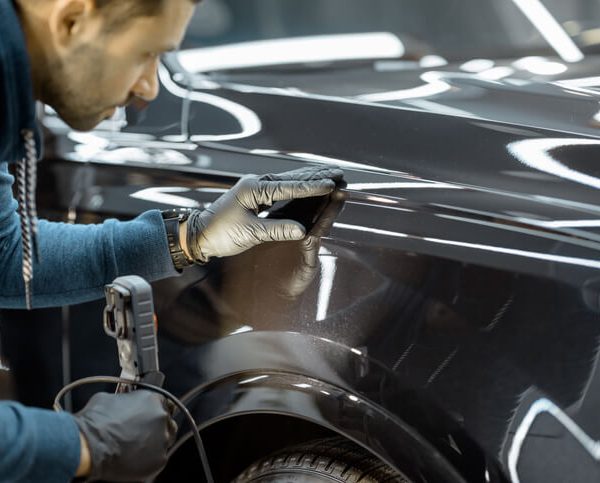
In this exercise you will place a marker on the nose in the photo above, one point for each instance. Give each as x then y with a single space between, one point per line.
147 85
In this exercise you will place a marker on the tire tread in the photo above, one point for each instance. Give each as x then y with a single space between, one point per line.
336 458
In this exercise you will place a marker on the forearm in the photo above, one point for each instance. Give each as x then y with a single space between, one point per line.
37 444
78 260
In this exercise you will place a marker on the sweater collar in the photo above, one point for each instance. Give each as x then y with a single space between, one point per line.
17 104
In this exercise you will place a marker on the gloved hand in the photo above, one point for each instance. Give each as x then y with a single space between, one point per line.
128 434
231 225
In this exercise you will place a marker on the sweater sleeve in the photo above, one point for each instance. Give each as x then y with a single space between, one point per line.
76 261
37 444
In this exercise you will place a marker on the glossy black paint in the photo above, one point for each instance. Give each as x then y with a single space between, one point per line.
452 287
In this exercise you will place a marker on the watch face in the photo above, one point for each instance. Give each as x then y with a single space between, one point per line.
181 213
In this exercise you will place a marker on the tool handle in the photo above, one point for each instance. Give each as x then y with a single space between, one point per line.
129 318
156 378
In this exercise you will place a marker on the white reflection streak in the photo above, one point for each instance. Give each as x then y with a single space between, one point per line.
571 224
253 379
161 195
248 120
537 408
535 154
433 87
581 82
391 186
318 48
88 144
496 73
340 163
425 105
99 143
550 29
581 85
242 329
328 269
366 229
520 253
476 246
303 385
540 66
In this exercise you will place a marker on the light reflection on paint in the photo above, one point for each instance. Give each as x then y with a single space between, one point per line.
399 185
302 386
431 61
584 85
535 153
571 224
379 199
130 147
438 108
253 379
328 269
476 246
344 226
477 65
520 253
265 152
540 66
243 329
436 83
340 163
496 73
165 196
295 50
538 408
550 29
249 122
433 87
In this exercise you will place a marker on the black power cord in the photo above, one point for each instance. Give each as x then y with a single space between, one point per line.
118 380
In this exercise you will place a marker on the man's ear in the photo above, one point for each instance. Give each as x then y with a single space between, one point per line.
69 20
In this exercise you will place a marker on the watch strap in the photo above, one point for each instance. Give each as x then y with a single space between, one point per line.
180 260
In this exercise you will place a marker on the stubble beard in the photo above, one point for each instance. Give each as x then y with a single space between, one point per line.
71 89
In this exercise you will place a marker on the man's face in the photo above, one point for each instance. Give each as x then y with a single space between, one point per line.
98 70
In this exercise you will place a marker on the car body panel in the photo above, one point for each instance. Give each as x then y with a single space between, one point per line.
458 266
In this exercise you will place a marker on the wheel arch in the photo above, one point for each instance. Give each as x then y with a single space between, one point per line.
291 408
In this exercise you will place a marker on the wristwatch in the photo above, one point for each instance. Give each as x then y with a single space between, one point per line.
172 219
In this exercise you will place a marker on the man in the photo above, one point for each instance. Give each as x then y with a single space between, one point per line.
85 58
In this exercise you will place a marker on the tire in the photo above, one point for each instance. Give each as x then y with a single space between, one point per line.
322 461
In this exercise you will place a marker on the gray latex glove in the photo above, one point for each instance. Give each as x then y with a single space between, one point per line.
231 224
128 434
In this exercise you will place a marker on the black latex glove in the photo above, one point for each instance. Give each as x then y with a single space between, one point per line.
231 225
128 434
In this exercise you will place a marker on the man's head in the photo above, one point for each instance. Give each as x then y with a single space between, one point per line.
91 56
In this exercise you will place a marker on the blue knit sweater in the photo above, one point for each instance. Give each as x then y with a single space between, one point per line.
76 262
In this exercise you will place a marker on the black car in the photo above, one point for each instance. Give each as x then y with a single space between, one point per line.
442 321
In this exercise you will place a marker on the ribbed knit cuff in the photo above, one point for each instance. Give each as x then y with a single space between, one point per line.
57 447
141 247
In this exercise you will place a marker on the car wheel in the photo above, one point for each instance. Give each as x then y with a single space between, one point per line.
324 460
